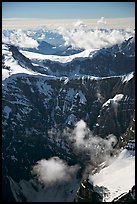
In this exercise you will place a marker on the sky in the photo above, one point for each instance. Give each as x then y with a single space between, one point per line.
68 10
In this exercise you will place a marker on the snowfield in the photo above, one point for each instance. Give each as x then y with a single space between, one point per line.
61 59
118 177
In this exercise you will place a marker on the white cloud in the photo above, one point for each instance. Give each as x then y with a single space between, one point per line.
83 141
91 149
20 38
79 23
78 36
53 170
87 38
102 21
80 133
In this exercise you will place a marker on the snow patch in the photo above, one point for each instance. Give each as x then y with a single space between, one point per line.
43 87
82 98
114 102
7 110
127 77
71 119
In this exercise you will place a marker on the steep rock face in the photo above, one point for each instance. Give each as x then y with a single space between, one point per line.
63 101
87 193
33 105
116 112
129 134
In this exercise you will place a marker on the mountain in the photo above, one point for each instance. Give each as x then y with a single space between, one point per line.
41 98
54 103
49 49
112 183
115 60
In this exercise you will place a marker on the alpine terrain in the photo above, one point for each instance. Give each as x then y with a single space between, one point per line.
68 121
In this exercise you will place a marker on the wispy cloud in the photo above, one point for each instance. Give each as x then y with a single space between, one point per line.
83 142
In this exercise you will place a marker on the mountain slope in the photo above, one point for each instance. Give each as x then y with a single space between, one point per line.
116 177
115 60
42 98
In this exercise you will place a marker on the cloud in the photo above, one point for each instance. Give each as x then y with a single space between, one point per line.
84 139
80 132
87 38
53 170
81 141
20 38
102 21
79 23
92 149
79 36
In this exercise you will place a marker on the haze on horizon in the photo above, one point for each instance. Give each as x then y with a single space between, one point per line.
33 14
93 23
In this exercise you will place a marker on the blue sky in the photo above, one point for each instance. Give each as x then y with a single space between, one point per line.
68 10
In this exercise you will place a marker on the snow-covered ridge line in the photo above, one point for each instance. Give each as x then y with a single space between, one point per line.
13 66
114 100
61 59
127 77
76 77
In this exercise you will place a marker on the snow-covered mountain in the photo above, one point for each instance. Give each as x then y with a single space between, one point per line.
111 181
116 178
119 59
48 49
112 61
45 95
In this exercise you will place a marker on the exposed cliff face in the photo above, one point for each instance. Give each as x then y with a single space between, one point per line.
116 112
34 104
129 134
63 101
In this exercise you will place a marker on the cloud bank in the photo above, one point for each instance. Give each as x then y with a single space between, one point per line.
78 34
19 23
87 38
